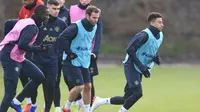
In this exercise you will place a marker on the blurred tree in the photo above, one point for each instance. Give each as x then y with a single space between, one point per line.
2 15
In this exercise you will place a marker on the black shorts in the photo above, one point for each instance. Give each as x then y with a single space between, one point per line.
77 75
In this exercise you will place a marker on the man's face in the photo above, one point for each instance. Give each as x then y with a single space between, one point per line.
54 10
61 2
158 23
85 2
27 2
93 18
45 17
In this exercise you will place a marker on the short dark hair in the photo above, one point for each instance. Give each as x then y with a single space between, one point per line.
91 9
153 15
53 2
40 10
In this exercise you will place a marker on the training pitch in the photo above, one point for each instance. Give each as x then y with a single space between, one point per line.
170 89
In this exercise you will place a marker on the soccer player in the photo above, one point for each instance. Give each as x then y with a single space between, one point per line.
13 48
141 55
26 11
77 12
47 61
76 41
64 15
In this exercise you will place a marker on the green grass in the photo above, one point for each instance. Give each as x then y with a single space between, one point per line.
170 89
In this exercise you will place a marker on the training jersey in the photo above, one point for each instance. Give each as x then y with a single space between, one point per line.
148 50
48 35
76 13
13 36
81 46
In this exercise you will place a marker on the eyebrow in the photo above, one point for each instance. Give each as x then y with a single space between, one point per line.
55 8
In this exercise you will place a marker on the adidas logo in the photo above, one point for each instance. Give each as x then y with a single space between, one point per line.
45 29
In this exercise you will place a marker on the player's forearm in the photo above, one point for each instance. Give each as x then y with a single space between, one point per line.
32 48
26 36
98 38
97 45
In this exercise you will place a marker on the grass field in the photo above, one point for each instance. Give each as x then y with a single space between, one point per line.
170 89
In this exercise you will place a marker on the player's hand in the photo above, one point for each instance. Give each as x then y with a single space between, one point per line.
146 72
93 56
72 56
157 59
47 48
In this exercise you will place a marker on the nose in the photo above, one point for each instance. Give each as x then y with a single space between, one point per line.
162 24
